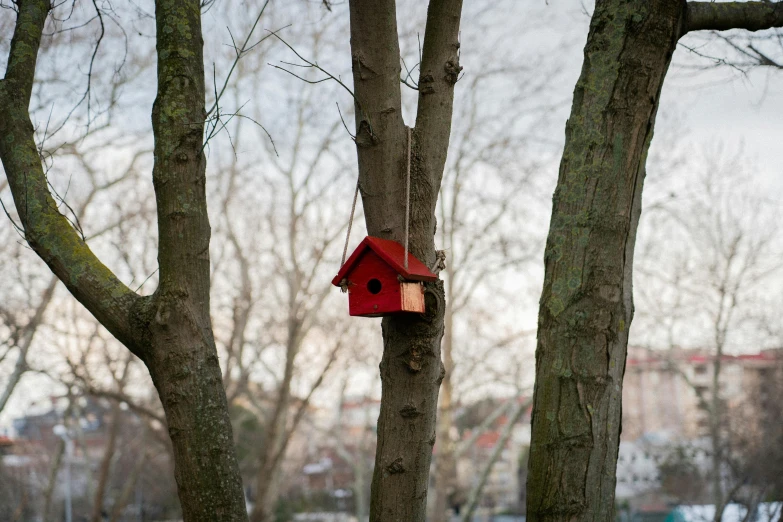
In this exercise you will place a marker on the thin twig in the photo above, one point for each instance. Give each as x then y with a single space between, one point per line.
148 278
240 53
313 65
353 136
412 85
19 229
92 59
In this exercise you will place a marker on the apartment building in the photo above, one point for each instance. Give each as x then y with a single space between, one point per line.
662 389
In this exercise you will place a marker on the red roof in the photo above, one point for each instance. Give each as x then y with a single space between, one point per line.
488 439
392 253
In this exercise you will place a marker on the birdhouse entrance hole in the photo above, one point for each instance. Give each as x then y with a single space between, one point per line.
374 286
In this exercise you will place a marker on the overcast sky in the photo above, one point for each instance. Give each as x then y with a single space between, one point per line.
715 105
726 105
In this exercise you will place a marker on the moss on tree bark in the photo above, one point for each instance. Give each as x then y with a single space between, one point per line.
586 304
170 330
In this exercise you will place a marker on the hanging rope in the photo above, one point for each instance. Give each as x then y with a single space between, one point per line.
408 200
350 223
407 208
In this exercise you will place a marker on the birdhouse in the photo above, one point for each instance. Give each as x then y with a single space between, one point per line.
377 281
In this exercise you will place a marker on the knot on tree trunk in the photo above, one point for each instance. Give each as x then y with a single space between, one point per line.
414 361
426 84
453 68
365 136
163 314
396 467
409 411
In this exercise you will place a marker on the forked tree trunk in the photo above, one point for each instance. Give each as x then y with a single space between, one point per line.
586 304
411 370
170 330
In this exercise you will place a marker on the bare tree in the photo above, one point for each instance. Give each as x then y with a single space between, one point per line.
268 296
170 330
357 455
475 494
718 241
274 317
488 235
21 338
411 370
755 441
22 330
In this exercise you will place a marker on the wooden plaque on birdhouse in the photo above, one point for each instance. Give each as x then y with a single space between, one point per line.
377 281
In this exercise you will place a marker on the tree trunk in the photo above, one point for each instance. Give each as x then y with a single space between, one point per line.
475 494
715 413
170 330
266 491
54 469
411 370
276 431
105 467
586 304
185 371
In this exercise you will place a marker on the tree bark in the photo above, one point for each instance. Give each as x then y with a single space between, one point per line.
170 330
47 231
175 322
411 370
722 16
586 304
105 467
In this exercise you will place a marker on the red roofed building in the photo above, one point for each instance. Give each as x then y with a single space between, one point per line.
660 388
5 445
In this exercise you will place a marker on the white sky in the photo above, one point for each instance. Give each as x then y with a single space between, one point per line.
724 105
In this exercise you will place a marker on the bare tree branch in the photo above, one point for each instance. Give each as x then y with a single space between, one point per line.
47 231
723 16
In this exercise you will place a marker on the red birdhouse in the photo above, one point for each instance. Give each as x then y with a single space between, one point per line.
378 282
